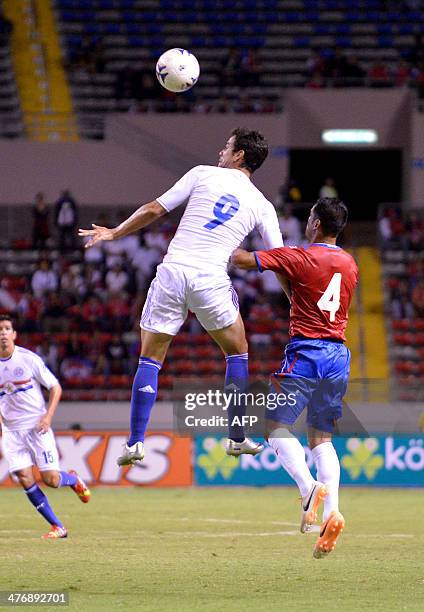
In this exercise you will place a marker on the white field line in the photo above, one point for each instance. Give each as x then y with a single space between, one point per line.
234 521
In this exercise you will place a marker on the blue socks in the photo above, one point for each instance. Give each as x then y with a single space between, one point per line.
67 480
236 380
144 391
41 503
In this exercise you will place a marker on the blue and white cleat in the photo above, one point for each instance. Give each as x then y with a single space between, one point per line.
247 447
131 455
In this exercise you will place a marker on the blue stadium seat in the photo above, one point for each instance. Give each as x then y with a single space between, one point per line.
322 28
112 28
302 41
343 28
384 28
343 41
406 28
385 41
311 16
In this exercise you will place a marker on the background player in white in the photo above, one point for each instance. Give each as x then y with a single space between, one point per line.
27 438
223 208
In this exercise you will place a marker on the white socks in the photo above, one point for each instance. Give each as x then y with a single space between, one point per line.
328 472
291 455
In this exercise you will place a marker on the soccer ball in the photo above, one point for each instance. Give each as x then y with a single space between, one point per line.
177 70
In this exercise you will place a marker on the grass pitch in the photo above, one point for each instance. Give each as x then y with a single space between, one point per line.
215 549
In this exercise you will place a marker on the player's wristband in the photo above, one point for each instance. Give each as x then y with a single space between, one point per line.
258 263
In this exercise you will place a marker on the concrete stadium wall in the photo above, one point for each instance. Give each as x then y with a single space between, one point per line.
144 154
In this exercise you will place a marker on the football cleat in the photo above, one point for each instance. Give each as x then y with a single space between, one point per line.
247 447
131 455
330 531
55 533
310 505
81 488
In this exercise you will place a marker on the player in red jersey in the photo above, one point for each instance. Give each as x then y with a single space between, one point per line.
316 367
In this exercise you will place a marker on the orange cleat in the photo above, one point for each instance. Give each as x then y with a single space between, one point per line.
330 531
81 489
55 533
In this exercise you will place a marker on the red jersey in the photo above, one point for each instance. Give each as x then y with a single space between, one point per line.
323 278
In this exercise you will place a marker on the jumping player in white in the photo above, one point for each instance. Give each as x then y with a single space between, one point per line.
223 208
27 437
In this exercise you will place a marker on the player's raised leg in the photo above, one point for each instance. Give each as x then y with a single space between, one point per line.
154 347
291 456
41 503
233 343
328 472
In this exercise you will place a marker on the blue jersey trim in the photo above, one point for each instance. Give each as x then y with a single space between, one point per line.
324 244
258 263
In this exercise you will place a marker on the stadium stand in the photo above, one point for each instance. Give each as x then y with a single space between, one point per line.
11 124
112 46
402 242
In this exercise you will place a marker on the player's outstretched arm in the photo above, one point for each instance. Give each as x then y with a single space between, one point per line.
55 393
143 216
244 259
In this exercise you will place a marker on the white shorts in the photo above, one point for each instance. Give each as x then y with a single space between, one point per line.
176 289
26 448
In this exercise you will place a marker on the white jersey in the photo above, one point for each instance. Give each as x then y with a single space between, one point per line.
21 400
223 207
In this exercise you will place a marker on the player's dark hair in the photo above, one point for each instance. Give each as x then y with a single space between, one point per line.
333 214
6 317
253 144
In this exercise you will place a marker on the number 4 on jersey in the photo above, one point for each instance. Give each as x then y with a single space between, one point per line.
330 299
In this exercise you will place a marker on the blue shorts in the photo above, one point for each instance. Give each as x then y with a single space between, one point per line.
315 374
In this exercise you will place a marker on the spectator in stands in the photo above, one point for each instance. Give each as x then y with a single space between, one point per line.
402 74
231 67
415 272
419 80
40 228
93 315
290 227
354 74
92 283
54 315
401 305
416 55
77 367
418 299
66 219
250 69
74 345
316 81
7 302
378 75
415 231
118 313
117 279
71 282
328 190
315 64
126 85
289 193
44 279
49 353
117 355
28 312
335 67
6 29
